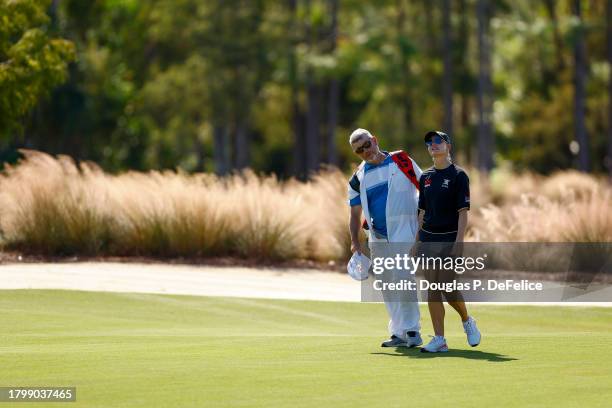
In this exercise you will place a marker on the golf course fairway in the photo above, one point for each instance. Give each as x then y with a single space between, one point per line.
141 350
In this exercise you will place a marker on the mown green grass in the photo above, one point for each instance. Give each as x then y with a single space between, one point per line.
135 350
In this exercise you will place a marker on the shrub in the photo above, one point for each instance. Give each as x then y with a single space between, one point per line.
54 206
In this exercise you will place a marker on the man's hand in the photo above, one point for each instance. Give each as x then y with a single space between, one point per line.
354 226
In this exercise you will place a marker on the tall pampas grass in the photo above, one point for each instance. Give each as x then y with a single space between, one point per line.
567 206
54 206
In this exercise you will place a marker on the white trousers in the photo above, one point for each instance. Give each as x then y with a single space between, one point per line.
402 307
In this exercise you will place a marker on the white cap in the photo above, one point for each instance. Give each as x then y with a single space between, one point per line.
358 266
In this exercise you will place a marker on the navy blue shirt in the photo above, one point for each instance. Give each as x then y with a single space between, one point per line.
442 194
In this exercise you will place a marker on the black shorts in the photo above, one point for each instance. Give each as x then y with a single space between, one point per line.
439 246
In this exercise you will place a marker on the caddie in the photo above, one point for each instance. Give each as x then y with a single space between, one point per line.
385 189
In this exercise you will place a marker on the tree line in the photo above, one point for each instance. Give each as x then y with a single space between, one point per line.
279 85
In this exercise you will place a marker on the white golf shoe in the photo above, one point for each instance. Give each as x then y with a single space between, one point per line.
472 332
436 345
413 339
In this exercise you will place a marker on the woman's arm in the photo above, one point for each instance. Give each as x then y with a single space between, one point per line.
421 216
417 238
463 204
462 225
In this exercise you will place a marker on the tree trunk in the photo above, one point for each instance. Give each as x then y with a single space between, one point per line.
313 96
579 92
220 149
552 12
53 13
332 105
406 96
462 73
312 125
299 162
485 136
447 79
432 43
198 146
241 145
609 35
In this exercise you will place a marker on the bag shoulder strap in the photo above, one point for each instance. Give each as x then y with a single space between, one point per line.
404 163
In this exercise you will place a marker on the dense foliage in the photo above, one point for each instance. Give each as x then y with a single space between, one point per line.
278 85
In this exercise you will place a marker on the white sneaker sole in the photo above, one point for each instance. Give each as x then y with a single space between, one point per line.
442 350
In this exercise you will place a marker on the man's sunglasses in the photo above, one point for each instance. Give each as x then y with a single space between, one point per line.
363 147
435 139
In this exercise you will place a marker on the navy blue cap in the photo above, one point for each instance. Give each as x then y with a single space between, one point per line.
433 133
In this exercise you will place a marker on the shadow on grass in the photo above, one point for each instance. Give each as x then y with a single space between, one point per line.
469 354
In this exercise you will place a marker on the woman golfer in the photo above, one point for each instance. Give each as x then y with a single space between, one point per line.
444 202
